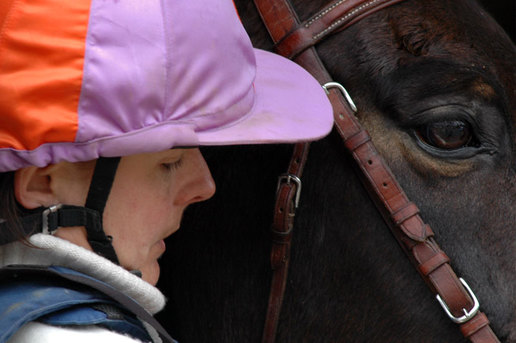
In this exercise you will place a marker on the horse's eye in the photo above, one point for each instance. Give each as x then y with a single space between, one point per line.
447 135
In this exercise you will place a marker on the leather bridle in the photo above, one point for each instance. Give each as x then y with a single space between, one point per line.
296 40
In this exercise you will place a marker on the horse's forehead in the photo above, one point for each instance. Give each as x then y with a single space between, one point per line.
461 34
458 32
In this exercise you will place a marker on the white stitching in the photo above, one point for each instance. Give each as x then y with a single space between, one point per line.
323 13
336 23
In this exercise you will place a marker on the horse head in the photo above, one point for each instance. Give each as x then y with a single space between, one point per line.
434 82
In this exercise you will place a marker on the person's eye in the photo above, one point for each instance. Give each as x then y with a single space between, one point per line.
170 166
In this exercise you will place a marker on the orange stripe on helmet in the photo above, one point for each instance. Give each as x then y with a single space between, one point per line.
5 6
41 61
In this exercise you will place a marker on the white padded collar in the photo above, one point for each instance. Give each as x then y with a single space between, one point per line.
50 250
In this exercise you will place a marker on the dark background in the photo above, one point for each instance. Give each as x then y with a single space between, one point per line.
504 11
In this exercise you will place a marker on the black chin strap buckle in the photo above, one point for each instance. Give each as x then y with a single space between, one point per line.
58 216
49 219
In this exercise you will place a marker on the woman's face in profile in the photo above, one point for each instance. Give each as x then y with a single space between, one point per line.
147 200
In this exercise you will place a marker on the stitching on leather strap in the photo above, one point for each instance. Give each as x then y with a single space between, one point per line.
432 264
343 19
323 13
339 15
412 233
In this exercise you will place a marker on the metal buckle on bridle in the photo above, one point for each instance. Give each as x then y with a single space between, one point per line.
467 314
344 92
44 218
288 178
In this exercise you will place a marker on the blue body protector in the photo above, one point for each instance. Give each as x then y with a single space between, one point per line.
63 297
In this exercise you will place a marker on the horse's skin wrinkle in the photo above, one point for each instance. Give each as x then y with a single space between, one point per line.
417 62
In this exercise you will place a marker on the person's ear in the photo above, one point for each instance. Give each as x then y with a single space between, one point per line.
32 187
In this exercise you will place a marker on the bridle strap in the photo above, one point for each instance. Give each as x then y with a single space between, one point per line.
287 198
401 215
337 16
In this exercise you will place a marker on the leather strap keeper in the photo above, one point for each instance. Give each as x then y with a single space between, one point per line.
358 139
477 323
432 264
402 216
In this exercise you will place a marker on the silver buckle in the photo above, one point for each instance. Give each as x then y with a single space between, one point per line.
288 178
329 85
467 314
44 222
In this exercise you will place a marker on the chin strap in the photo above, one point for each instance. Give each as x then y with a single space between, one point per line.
100 187
48 220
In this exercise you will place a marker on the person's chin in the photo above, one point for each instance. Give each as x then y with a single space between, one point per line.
151 272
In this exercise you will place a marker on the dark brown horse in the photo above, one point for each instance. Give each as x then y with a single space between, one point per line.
434 81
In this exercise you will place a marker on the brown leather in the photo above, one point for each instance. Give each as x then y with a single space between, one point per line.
354 142
401 215
337 16
477 330
282 225
414 235
390 199
278 16
432 264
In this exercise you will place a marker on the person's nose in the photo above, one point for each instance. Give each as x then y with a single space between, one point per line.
201 185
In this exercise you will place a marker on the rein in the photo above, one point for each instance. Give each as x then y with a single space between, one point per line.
296 40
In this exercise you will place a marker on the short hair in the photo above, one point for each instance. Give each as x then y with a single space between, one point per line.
10 211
